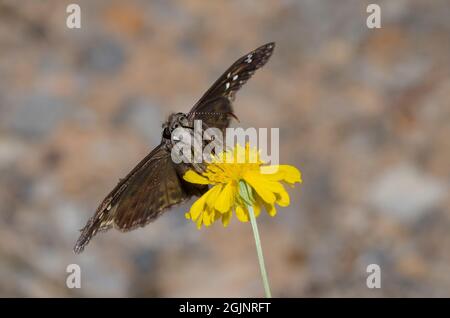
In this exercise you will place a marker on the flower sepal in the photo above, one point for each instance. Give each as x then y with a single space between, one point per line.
245 192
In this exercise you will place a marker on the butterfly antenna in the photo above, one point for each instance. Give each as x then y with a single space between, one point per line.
234 116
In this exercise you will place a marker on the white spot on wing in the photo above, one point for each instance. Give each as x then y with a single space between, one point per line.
249 58
235 77
227 85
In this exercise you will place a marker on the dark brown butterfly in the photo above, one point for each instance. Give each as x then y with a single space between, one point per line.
156 183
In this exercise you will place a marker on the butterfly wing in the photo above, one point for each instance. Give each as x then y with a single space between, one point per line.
150 188
214 107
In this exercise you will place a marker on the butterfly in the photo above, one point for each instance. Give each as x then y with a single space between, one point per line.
156 183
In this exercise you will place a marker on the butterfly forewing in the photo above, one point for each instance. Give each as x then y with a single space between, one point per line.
235 76
155 189
215 107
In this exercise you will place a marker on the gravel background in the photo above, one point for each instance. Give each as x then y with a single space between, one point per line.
364 113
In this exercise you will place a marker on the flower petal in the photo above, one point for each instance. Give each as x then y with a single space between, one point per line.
226 217
193 177
199 222
242 214
198 207
259 184
213 195
208 217
270 208
256 209
283 198
287 173
225 199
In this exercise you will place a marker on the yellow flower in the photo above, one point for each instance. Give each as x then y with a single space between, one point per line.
225 172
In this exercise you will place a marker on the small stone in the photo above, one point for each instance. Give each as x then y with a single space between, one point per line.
10 151
104 55
142 116
406 193
38 115
146 260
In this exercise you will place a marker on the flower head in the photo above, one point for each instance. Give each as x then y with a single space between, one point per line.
230 171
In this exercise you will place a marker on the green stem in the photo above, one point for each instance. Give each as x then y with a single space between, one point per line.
245 191
259 251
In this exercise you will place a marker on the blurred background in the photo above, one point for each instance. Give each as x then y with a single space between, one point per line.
364 113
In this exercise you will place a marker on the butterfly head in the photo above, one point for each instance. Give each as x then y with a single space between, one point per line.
176 120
